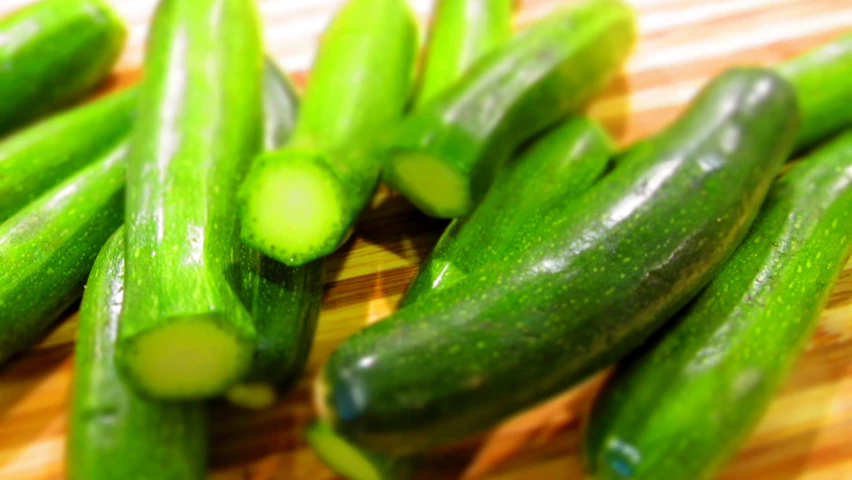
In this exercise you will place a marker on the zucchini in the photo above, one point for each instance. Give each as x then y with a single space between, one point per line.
50 245
39 157
115 433
680 407
284 302
462 32
54 52
607 270
184 332
821 78
299 203
354 462
443 156
561 165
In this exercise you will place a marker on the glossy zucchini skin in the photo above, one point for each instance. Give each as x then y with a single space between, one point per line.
114 432
685 403
50 245
53 53
462 32
507 97
611 268
199 125
558 167
37 158
821 78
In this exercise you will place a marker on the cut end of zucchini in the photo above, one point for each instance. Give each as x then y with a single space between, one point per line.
253 396
341 456
190 357
294 208
433 186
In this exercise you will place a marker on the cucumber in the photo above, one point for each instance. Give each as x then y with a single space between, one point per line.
608 270
821 78
443 156
685 403
184 332
353 462
39 157
53 53
50 245
115 433
299 203
565 162
284 302
462 32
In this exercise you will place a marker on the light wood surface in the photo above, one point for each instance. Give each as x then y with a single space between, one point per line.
806 435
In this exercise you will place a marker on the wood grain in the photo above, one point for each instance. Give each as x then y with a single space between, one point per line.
806 435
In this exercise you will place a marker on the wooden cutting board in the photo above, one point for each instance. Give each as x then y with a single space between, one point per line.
806 435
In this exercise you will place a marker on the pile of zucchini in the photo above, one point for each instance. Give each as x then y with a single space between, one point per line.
213 191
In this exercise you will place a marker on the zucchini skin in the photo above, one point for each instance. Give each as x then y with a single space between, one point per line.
562 164
821 78
368 51
612 267
199 124
284 302
462 32
54 53
115 433
37 158
512 93
49 247
684 404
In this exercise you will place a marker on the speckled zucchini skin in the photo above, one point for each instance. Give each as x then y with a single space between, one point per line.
462 32
611 268
514 92
115 433
562 164
198 127
37 158
684 404
53 53
822 77
49 247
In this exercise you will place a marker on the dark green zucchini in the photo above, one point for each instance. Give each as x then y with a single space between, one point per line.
353 462
37 158
299 203
462 32
608 270
114 433
822 78
53 53
50 245
443 156
561 165
680 407
284 302
184 332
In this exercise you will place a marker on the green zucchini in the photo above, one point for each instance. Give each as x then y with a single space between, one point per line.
821 78
184 332
562 164
299 203
50 245
115 433
462 32
284 302
354 462
609 269
53 53
39 157
684 404
443 156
